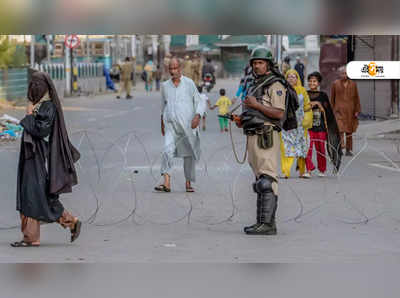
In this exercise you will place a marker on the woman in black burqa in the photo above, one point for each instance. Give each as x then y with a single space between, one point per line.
46 164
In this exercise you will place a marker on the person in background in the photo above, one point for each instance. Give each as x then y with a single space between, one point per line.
133 76
158 77
245 82
294 142
187 67
126 72
299 67
286 65
208 68
182 108
318 132
149 69
207 100
346 106
115 74
46 164
196 69
165 71
109 81
223 104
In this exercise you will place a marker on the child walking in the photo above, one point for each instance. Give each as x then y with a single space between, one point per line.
205 98
223 104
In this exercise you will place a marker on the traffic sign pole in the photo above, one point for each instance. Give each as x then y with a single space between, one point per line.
74 74
71 41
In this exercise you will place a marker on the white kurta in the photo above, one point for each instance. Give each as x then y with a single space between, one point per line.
205 98
179 105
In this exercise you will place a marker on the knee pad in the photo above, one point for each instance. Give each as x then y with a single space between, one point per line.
263 184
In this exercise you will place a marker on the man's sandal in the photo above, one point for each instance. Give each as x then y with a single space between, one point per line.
76 231
162 188
24 244
189 189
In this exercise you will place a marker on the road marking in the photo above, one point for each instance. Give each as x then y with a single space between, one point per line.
384 167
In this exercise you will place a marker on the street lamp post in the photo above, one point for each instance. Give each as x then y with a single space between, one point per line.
32 51
67 71
87 48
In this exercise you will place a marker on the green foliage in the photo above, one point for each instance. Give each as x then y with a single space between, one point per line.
7 50
19 58
11 53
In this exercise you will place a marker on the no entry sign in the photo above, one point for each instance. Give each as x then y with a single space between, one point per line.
72 41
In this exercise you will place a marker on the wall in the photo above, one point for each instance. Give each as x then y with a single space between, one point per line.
375 95
13 83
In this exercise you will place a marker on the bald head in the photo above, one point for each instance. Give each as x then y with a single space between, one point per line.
175 60
175 68
342 72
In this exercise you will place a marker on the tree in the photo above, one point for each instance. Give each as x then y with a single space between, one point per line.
19 58
7 50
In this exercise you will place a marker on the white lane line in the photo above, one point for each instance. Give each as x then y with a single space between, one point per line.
91 119
384 167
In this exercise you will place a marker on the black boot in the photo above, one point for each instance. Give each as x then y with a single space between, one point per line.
268 208
252 227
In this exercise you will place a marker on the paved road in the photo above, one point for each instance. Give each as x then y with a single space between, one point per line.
352 217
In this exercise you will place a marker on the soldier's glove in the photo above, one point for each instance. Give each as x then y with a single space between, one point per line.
238 120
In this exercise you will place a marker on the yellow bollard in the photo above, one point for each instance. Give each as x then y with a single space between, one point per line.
75 78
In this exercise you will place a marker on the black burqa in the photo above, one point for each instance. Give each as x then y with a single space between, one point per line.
46 163
334 143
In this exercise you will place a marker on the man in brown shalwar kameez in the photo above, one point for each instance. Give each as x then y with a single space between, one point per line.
46 164
346 106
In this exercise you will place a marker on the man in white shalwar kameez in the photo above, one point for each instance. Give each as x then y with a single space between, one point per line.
182 107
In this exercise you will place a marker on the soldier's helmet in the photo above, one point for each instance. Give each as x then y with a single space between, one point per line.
261 53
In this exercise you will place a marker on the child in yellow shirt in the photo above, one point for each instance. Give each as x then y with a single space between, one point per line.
223 104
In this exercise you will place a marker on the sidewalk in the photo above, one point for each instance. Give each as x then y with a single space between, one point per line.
375 128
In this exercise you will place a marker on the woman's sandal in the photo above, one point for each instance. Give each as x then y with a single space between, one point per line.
162 188
24 244
76 231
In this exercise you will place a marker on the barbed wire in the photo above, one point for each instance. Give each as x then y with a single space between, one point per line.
128 172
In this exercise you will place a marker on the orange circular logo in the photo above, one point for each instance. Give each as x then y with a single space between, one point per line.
372 70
